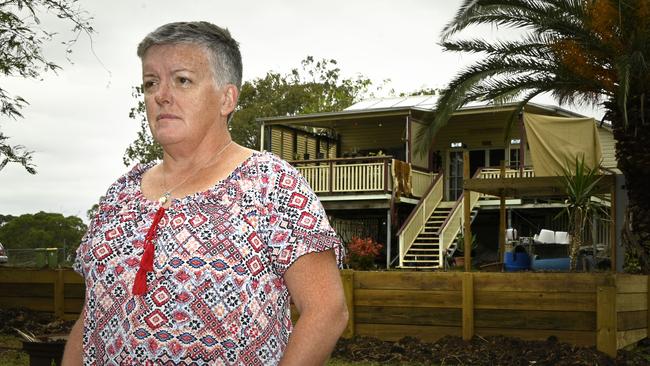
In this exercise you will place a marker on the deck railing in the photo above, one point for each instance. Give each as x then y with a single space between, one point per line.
495 173
356 177
366 174
420 181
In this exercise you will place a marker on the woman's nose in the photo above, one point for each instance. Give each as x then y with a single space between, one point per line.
163 94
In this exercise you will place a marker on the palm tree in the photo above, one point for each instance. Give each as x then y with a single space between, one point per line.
579 51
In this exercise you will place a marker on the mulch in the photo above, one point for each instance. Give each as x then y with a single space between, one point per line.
489 351
492 351
41 324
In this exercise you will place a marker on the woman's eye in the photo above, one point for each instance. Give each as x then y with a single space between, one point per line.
184 81
148 84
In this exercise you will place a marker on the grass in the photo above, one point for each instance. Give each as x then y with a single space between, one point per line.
12 357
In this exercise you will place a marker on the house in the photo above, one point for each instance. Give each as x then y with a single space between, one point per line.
363 164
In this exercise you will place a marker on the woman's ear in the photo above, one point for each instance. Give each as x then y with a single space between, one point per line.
229 101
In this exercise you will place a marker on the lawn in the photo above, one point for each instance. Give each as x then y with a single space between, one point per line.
9 356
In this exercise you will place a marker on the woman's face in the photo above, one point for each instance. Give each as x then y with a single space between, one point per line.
183 102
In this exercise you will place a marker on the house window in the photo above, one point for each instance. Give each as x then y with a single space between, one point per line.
514 157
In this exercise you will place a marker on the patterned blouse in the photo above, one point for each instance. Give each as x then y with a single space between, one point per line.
216 294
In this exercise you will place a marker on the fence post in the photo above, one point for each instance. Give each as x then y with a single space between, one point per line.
648 302
606 319
347 277
468 306
59 300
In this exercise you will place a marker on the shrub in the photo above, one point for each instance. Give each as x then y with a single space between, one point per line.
362 253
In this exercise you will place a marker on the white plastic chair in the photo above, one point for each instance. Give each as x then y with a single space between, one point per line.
562 237
511 234
546 236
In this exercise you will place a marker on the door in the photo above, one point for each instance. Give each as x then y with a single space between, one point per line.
455 175
476 161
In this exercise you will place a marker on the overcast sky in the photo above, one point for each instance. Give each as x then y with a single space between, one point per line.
77 121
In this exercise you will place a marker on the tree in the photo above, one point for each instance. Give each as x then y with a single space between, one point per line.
316 87
144 148
43 230
580 51
22 39
6 218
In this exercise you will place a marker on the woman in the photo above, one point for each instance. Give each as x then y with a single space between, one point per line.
192 260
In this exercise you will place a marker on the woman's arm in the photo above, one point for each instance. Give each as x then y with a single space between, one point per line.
73 354
315 287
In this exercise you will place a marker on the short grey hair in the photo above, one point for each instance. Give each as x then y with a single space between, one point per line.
222 49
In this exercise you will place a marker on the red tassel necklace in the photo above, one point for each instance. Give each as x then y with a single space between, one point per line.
146 262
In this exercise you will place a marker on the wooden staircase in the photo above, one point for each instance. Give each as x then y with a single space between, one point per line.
425 251
431 229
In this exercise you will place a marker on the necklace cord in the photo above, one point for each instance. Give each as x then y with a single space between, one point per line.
168 192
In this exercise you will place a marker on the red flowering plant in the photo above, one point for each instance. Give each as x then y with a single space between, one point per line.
362 253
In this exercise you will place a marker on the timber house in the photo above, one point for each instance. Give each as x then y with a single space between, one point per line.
363 164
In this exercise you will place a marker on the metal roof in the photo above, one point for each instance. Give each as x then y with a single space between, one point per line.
419 101
403 106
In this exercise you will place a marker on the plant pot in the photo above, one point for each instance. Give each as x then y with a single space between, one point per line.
459 261
44 353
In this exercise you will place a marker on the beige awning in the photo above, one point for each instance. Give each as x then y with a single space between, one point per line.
556 141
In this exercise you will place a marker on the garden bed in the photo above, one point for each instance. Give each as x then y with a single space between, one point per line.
488 351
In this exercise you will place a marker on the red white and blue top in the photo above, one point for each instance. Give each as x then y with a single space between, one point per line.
216 294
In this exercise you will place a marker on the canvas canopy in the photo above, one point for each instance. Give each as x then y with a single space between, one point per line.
556 141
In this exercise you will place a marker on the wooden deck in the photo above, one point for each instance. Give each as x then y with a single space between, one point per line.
358 175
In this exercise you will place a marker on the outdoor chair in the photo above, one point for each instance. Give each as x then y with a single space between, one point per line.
511 234
562 237
546 236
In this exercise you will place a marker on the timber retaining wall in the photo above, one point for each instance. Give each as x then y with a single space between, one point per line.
609 311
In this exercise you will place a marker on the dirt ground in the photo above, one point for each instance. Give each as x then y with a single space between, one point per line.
489 351
39 323
479 351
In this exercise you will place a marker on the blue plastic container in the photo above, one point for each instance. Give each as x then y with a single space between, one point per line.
551 264
516 261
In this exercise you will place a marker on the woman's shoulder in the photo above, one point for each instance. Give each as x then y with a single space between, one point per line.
128 182
271 164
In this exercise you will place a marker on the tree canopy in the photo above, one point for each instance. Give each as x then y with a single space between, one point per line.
42 230
579 51
6 218
22 38
317 86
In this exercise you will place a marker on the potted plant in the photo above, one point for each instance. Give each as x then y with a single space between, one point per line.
459 254
362 253
42 351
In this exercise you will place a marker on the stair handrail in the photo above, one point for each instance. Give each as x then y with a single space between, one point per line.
451 225
417 219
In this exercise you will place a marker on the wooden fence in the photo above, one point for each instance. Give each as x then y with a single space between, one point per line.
53 290
609 311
